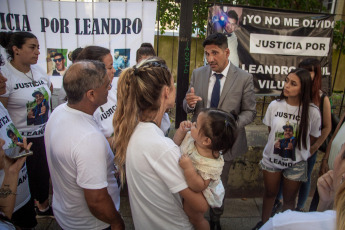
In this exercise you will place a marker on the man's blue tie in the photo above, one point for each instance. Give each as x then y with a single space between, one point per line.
216 91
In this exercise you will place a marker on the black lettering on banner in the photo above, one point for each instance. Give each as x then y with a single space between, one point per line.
87 26
12 22
56 25
115 26
64 25
95 27
279 44
137 25
105 25
126 23
44 24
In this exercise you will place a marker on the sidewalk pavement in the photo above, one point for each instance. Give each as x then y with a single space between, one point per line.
239 214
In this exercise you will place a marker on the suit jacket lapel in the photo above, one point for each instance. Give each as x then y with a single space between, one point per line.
230 80
205 82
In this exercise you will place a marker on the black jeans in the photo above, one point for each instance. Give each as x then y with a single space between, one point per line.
38 170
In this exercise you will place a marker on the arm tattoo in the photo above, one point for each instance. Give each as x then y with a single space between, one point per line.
6 191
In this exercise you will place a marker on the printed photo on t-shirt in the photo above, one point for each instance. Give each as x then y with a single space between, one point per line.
14 135
285 142
38 109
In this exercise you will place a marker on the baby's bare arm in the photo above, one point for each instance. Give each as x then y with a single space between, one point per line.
181 132
194 180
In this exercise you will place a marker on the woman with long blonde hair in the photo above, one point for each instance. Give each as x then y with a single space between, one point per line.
155 180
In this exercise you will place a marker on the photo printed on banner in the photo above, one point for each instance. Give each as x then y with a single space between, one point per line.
121 60
56 61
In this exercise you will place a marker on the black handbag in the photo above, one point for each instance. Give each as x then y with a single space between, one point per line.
335 121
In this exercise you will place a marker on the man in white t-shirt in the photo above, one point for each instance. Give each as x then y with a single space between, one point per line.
79 157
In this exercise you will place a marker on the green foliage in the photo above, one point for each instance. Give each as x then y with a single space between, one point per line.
338 34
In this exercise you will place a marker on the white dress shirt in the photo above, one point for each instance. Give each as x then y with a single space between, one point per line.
212 81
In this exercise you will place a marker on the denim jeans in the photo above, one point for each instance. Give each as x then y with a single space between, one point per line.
305 186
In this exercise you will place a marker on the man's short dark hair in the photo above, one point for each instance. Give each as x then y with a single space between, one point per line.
232 14
10 132
59 54
82 76
217 39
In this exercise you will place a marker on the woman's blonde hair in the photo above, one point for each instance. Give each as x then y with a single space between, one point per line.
139 89
339 204
339 201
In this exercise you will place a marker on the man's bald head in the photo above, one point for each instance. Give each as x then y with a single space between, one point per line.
81 77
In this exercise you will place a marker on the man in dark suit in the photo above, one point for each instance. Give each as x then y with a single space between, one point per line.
222 85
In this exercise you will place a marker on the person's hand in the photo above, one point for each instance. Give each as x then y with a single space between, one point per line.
13 166
277 145
325 187
192 99
290 145
185 126
185 162
43 109
31 114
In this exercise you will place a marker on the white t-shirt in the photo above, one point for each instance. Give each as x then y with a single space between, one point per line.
8 129
337 142
105 113
281 116
79 157
4 225
154 179
302 221
27 115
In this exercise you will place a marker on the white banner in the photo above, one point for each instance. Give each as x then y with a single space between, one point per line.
62 27
289 45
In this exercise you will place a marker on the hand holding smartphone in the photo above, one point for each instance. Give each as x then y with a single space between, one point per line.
17 152
21 150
